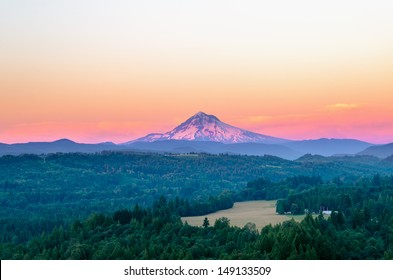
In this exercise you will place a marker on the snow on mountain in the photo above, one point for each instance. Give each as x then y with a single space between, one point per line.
204 127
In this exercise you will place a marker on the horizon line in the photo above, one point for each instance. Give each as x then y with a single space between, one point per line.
134 140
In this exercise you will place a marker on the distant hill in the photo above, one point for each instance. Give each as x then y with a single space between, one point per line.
381 151
182 146
355 159
388 161
59 146
289 150
328 147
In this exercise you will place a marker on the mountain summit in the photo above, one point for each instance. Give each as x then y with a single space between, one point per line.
204 127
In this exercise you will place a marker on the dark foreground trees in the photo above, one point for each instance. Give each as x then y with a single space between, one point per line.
158 233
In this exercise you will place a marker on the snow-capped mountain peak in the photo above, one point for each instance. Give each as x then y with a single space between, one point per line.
204 127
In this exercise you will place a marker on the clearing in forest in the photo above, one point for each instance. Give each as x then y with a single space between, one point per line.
259 212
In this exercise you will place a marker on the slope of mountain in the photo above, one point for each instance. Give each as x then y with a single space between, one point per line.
388 161
352 159
183 146
328 147
381 151
204 127
59 146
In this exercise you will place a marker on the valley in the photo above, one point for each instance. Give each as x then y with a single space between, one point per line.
107 200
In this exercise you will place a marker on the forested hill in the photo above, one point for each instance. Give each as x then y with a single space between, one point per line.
38 193
364 231
109 181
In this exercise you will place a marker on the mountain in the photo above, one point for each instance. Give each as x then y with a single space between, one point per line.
328 147
381 151
204 127
209 129
203 133
58 146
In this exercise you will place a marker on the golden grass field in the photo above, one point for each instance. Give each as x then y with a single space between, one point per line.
260 212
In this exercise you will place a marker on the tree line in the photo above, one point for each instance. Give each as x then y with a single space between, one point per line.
361 229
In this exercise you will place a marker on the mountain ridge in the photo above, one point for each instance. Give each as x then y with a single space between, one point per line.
380 151
58 146
329 146
203 133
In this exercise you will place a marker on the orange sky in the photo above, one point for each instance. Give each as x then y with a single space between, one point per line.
114 70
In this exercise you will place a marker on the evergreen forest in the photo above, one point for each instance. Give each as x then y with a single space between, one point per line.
128 206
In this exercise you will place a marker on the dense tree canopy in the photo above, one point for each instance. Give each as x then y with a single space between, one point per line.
128 205
158 233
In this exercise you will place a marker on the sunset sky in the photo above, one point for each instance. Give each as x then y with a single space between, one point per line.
95 71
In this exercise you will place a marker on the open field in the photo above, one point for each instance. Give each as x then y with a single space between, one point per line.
260 212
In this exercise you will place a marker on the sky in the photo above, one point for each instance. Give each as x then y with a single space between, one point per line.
95 71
